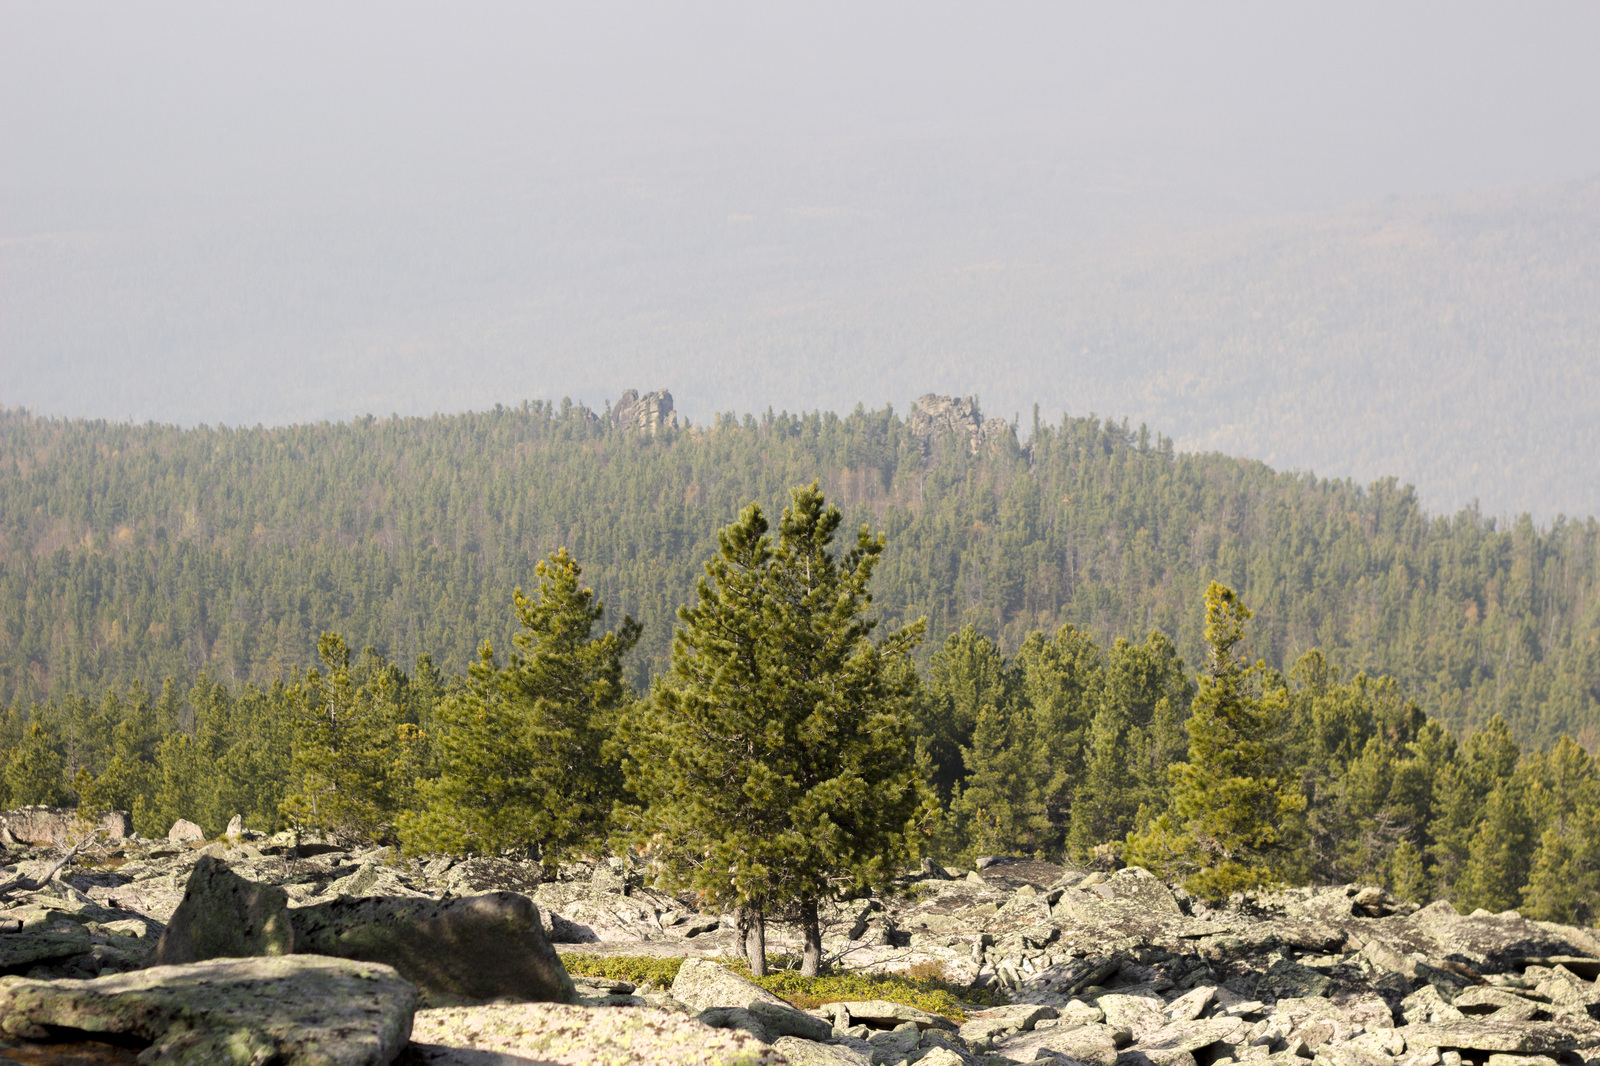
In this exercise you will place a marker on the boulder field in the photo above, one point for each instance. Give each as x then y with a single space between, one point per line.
254 950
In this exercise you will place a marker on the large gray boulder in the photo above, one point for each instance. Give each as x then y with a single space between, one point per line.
38 826
56 826
224 916
703 984
456 951
293 1011
184 831
727 1001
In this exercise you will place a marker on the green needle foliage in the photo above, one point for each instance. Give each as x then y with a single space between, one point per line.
776 762
522 755
33 772
355 754
1234 818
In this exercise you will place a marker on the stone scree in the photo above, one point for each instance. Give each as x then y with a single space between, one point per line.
1105 968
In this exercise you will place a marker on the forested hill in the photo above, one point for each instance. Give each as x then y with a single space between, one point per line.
151 551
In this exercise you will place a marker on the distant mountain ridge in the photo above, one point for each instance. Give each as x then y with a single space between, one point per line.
1450 341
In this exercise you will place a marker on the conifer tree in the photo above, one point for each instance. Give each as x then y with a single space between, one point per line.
965 674
1461 789
1107 799
35 772
1500 852
1564 882
776 761
1062 681
1148 684
1000 808
128 780
1233 820
354 754
522 754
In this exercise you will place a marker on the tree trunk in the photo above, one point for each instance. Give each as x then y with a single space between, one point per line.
811 928
754 922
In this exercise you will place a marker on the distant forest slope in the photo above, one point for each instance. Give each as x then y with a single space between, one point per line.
150 551
1450 341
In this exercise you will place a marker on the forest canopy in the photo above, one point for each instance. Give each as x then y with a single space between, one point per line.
133 552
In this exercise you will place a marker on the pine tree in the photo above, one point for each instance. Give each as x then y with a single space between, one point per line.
1407 876
1063 680
127 782
182 785
1564 882
1107 799
1461 789
1500 853
354 754
965 675
522 753
776 762
1233 821
35 773
1000 808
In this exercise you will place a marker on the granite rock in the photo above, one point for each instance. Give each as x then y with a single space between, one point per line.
291 1010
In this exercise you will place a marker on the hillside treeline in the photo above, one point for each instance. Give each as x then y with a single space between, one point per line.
1067 748
148 552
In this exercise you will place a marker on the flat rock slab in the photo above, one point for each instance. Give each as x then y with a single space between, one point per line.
290 1010
18 951
1192 1035
559 1033
1522 1038
1093 1045
881 1014
807 1053
65 1053
456 952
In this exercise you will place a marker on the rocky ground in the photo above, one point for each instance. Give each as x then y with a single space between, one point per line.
364 957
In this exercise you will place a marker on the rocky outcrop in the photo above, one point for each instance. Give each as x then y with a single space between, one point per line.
649 413
45 826
933 416
224 916
293 1010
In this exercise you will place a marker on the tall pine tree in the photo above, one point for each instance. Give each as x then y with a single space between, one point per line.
775 762
1234 818
522 753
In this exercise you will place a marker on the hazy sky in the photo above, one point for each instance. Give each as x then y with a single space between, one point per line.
105 105
275 212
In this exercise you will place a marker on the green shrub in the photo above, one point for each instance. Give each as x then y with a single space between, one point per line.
925 986
638 969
